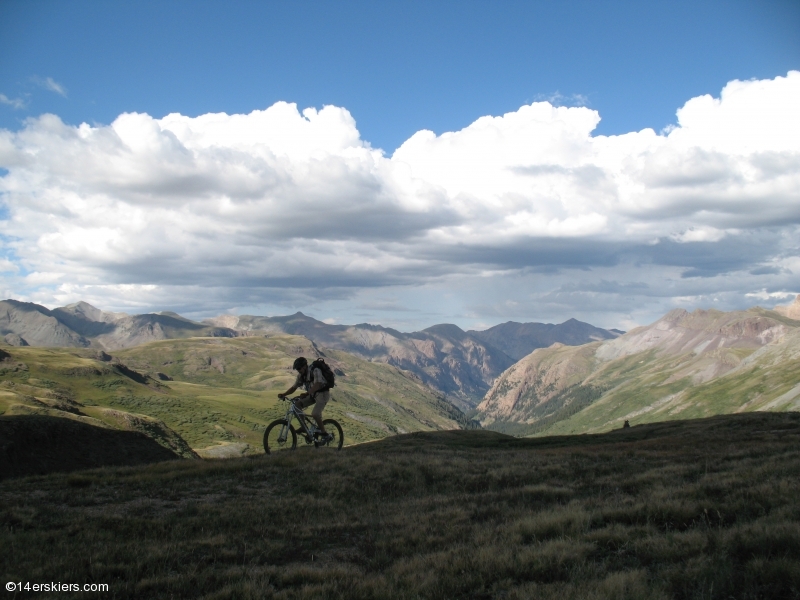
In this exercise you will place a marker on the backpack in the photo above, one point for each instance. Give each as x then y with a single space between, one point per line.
330 378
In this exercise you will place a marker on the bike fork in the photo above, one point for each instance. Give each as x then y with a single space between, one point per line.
285 431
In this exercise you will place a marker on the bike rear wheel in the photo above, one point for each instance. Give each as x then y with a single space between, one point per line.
335 430
279 436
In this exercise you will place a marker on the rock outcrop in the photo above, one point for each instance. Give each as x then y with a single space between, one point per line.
792 310
536 379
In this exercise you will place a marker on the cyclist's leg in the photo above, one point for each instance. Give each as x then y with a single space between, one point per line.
302 404
319 406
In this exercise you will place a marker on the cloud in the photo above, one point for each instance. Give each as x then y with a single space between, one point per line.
286 207
50 84
15 103
559 99
699 234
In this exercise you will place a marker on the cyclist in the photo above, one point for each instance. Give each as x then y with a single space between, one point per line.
313 383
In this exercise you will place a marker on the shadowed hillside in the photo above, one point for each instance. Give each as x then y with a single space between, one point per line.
36 444
683 510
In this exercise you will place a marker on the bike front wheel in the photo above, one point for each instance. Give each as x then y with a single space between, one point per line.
279 436
335 430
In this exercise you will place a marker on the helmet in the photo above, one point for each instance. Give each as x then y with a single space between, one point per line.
299 363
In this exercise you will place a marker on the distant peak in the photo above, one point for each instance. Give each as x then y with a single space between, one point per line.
445 329
82 305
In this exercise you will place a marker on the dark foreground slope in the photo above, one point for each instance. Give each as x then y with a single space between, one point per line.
37 444
700 509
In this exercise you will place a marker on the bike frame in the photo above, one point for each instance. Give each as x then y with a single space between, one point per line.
302 418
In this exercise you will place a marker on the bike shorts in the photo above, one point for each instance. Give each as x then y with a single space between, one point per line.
321 400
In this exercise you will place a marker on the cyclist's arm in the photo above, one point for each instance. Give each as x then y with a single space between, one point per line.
288 392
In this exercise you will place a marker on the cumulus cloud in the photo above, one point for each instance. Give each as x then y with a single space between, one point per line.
283 206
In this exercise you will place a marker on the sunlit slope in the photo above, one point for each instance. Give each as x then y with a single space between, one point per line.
685 365
649 389
237 382
223 394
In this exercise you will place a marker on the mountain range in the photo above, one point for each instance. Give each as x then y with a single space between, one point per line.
209 388
460 364
81 325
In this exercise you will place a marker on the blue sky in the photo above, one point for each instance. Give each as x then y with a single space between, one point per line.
398 67
392 69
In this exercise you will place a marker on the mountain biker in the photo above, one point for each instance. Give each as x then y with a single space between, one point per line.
313 383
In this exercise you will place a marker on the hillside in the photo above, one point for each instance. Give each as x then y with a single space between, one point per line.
443 357
683 365
213 396
684 510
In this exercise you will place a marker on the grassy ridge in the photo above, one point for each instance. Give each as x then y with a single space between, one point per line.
703 509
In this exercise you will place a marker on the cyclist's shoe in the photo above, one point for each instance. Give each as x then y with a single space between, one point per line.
324 438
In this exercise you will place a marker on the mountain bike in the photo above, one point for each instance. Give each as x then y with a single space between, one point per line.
282 435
